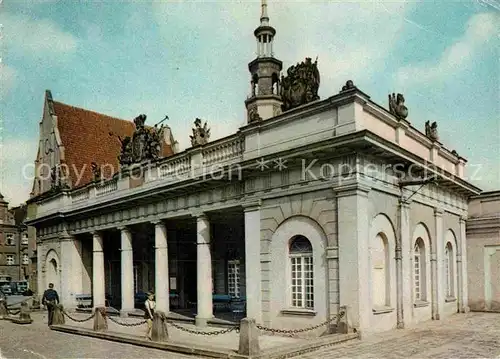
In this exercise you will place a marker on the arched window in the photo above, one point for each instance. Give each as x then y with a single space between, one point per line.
380 271
419 273
449 270
301 263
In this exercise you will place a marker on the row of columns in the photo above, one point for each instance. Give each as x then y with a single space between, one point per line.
204 267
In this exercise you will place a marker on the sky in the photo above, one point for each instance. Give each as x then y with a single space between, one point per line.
189 59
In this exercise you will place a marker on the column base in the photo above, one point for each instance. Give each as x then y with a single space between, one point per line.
124 313
465 309
202 322
436 317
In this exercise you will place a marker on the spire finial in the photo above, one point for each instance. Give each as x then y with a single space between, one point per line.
264 19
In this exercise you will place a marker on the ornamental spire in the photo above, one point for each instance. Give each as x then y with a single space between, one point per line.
264 19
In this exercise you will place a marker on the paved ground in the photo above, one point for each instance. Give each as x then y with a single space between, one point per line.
37 341
473 335
468 336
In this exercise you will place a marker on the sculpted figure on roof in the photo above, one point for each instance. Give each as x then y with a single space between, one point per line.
200 135
397 106
144 145
301 84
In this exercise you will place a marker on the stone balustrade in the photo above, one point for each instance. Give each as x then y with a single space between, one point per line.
106 187
223 151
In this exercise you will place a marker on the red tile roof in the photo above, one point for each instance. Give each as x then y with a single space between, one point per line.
88 137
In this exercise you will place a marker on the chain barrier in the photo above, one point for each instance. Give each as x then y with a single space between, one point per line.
296 331
212 333
13 313
78 320
127 324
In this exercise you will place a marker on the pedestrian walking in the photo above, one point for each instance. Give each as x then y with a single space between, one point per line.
149 310
50 299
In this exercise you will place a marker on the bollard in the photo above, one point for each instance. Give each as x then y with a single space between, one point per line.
344 322
159 332
4 313
249 337
25 314
58 315
100 322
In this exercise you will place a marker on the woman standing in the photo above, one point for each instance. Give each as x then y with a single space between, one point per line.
149 312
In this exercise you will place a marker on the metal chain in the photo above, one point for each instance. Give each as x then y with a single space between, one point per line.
78 320
14 313
136 324
191 331
296 331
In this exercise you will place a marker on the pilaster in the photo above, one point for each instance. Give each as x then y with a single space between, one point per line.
71 270
437 266
403 266
253 268
353 232
462 268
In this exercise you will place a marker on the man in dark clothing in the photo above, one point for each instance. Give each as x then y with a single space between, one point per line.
50 299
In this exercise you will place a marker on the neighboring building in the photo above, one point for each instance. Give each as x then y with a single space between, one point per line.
313 205
483 251
14 259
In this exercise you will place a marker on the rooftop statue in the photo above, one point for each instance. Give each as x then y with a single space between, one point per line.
144 145
431 130
200 135
397 106
254 115
349 85
301 84
96 172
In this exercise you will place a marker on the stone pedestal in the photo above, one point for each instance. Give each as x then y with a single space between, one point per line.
344 321
159 331
24 315
249 338
100 321
58 317
4 313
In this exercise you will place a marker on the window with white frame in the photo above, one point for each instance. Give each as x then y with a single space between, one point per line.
233 278
302 274
10 239
419 273
10 259
26 259
448 268
24 239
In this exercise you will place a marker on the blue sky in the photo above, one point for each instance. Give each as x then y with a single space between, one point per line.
189 59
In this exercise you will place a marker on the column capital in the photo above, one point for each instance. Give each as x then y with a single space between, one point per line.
352 189
404 203
252 206
463 219
438 212
199 214
123 229
96 234
157 222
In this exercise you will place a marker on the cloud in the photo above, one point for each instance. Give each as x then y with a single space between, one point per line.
7 79
35 36
456 58
17 157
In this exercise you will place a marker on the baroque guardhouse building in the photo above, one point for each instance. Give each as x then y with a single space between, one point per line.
313 205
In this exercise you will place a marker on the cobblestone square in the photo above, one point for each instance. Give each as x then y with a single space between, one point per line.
473 335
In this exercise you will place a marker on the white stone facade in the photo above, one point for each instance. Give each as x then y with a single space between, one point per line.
393 254
483 252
